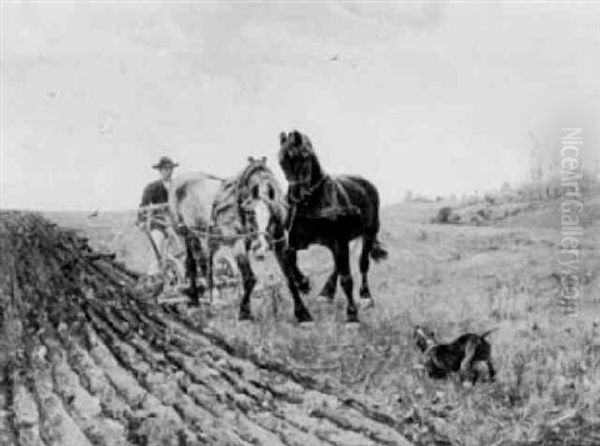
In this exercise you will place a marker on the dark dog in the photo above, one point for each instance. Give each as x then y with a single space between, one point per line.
467 355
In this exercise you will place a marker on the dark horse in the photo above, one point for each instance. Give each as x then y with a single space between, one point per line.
330 211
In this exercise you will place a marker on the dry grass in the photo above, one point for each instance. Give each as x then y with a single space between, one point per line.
453 279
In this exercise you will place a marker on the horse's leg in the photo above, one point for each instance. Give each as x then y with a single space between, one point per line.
209 271
286 258
363 264
302 282
330 286
342 264
248 278
203 258
191 269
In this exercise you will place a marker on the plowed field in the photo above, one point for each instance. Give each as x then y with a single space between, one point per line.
87 361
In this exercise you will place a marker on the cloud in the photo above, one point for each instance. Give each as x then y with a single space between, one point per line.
407 94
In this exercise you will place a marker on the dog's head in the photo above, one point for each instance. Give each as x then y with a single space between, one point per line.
424 338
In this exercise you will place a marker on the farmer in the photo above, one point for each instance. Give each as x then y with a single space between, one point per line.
155 193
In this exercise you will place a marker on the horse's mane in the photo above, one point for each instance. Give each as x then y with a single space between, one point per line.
295 144
295 147
234 189
332 199
226 197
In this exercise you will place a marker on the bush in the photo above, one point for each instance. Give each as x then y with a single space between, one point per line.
446 215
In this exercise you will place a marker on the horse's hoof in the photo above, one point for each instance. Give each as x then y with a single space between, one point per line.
245 316
304 317
191 292
324 299
366 303
306 325
352 318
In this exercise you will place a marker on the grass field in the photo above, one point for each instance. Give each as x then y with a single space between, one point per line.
453 278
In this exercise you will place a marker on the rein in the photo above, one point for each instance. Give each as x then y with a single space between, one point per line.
215 236
241 208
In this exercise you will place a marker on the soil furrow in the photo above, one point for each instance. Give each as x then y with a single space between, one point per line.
349 412
94 381
21 420
82 406
163 380
158 382
162 359
226 375
26 416
57 427
156 423
7 427
249 402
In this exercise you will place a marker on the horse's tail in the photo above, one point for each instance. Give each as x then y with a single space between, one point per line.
378 252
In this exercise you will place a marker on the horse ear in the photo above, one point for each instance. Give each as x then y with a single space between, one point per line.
263 159
282 138
296 137
250 159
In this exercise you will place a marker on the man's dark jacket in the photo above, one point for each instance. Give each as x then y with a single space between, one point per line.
154 193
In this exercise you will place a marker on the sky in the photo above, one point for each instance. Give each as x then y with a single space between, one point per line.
435 97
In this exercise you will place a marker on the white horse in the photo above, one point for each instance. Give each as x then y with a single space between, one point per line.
244 212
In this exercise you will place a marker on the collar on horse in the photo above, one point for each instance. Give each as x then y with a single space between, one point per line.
334 200
241 186
306 192
237 199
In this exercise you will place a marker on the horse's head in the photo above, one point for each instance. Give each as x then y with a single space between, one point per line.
299 162
262 203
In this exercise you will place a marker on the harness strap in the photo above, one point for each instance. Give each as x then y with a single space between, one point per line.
305 193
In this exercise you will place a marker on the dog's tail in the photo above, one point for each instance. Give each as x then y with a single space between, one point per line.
378 252
485 333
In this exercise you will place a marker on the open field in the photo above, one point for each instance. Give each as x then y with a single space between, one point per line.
451 278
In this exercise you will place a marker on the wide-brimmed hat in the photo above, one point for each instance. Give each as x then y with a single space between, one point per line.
164 161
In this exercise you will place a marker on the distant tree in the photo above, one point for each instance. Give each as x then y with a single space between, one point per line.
443 215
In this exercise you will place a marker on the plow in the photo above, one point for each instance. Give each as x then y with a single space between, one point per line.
218 275
86 360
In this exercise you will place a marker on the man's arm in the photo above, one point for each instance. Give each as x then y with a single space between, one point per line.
146 200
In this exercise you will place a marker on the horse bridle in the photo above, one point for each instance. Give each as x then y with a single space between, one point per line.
244 205
303 183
